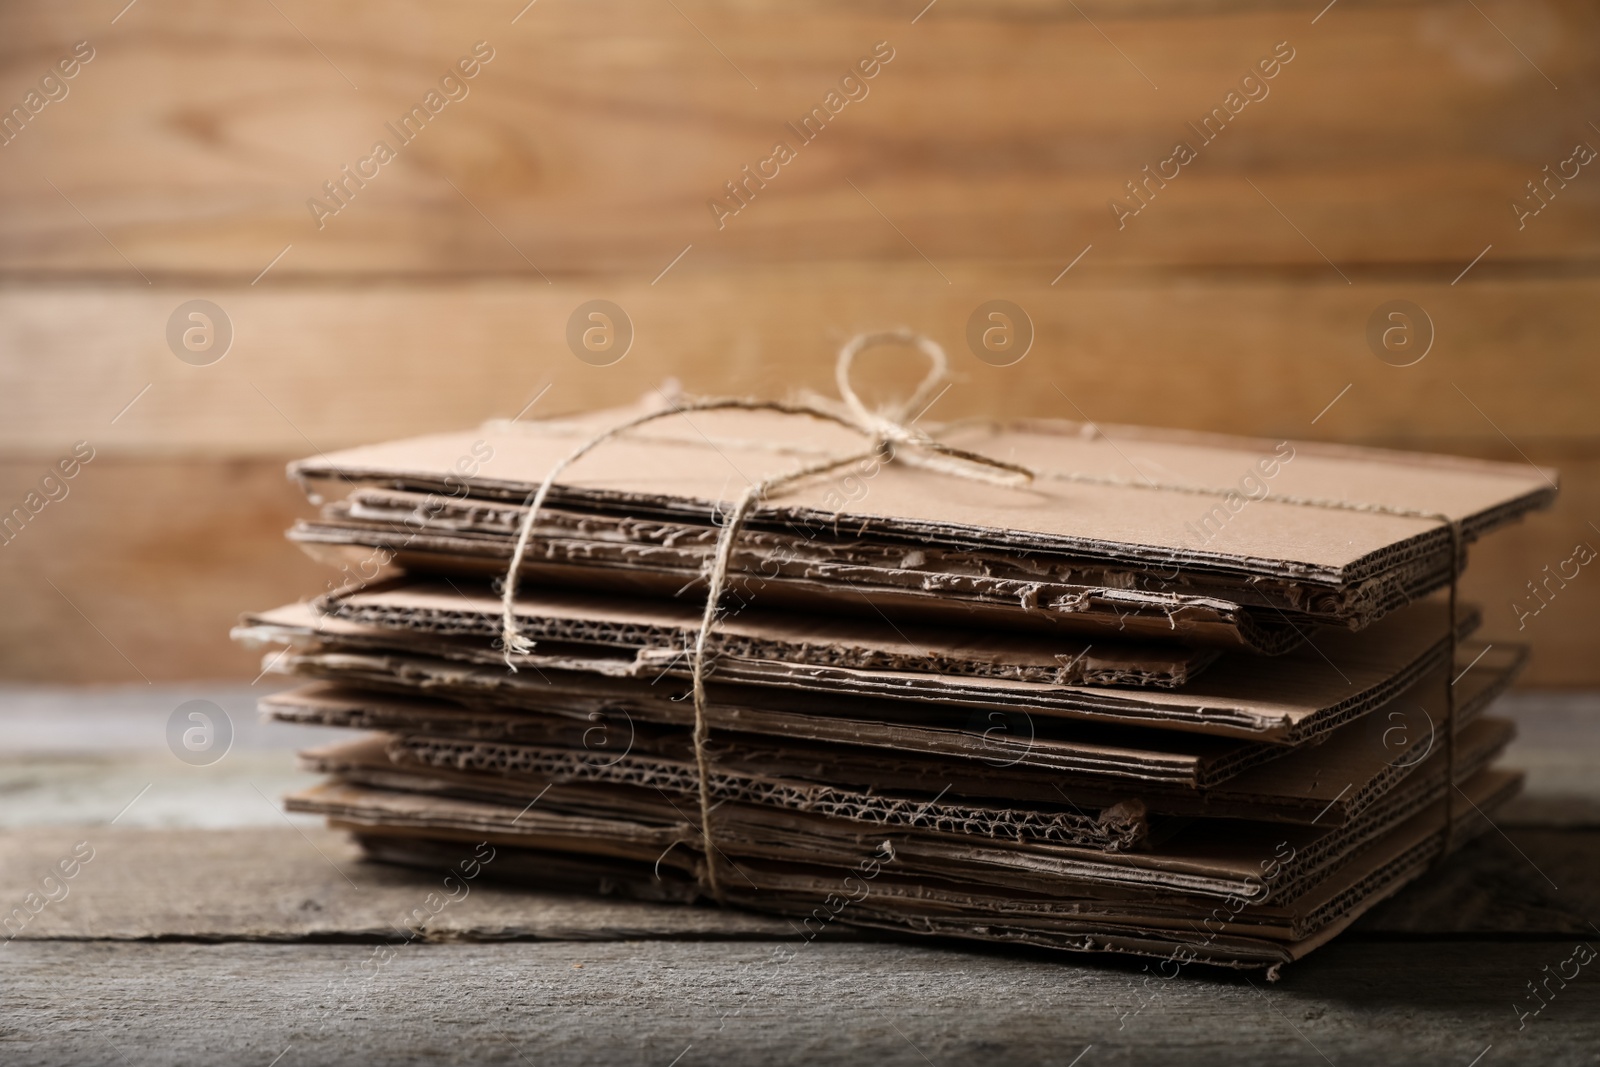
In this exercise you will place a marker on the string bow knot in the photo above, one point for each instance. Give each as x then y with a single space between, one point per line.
892 435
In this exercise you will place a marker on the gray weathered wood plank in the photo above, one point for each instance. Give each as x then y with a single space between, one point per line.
288 883
702 1002
285 883
1535 882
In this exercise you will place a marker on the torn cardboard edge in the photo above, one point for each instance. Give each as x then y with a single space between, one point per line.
988 758
820 897
1148 925
950 600
1288 700
1214 861
643 787
1085 503
465 765
808 896
656 632
512 770
1325 785
1038 584
375 528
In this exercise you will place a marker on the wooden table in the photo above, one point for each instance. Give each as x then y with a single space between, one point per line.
208 927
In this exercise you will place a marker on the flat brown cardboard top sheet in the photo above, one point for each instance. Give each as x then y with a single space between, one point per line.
690 464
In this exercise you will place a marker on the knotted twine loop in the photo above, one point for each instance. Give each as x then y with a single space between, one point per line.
884 431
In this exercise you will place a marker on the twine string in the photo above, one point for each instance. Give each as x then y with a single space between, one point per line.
1451 644
892 436
883 429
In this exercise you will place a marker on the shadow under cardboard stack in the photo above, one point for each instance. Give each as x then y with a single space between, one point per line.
1203 718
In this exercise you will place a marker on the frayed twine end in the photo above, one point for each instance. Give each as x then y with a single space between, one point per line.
515 645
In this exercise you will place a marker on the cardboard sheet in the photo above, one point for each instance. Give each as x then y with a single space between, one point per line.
1289 699
567 777
1175 774
658 633
1182 695
1090 500
427 534
1070 913
1209 858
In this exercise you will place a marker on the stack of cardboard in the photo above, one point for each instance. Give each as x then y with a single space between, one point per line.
1182 695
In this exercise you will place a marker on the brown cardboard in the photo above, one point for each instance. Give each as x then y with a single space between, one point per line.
472 768
1173 773
689 467
817 897
430 534
976 759
1289 699
1073 916
1210 858
659 632
1008 704
661 789
1332 782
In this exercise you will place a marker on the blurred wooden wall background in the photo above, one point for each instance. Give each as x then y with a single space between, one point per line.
1381 165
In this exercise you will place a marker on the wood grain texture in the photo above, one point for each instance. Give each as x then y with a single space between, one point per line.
649 1002
60 793
1398 134
324 366
286 883
140 571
